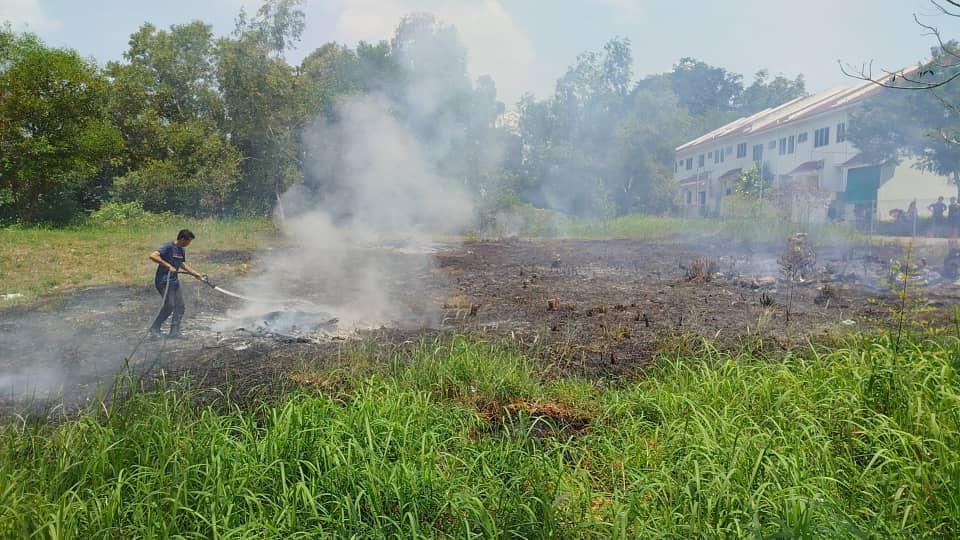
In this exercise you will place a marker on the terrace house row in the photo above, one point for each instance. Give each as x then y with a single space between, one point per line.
803 145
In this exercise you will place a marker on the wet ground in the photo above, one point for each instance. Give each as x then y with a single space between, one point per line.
593 309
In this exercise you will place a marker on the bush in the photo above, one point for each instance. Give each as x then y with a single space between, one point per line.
120 213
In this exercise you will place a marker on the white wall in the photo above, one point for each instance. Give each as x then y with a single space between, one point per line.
909 183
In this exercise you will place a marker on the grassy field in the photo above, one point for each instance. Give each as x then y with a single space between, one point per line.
38 262
461 439
637 226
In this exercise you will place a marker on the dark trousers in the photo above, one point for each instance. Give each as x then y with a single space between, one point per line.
173 304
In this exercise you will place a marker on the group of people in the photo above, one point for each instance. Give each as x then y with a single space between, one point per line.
946 217
945 225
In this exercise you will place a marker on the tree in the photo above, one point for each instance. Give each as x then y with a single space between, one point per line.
599 147
264 105
280 24
55 136
652 124
703 88
168 107
765 93
924 125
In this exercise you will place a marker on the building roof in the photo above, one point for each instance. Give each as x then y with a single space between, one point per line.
795 110
855 162
807 166
731 174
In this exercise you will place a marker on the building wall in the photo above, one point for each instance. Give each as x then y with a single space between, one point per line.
908 183
900 184
833 154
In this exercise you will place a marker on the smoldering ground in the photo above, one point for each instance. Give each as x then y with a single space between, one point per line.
75 340
384 172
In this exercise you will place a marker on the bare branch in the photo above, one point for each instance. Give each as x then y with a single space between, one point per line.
891 78
934 31
946 104
944 10
918 78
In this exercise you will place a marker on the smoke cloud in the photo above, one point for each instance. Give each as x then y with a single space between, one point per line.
496 45
382 185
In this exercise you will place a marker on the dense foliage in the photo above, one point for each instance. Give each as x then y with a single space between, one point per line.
462 440
202 125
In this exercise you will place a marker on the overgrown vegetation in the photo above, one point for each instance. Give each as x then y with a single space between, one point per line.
462 439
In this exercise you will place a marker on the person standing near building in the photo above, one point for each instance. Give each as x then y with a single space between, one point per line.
937 209
953 217
171 258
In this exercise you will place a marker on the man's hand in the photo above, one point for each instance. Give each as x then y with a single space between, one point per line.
172 269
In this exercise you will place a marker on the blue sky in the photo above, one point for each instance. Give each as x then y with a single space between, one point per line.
527 44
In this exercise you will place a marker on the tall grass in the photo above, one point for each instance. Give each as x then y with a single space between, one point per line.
636 226
450 441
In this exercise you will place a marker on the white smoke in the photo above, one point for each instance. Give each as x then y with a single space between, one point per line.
363 226
496 45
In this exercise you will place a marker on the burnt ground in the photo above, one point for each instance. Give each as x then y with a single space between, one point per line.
589 309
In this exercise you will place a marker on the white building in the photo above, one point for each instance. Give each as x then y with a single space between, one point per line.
803 144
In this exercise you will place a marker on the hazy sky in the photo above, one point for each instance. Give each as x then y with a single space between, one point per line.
526 44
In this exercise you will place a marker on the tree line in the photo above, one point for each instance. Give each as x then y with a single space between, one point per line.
213 126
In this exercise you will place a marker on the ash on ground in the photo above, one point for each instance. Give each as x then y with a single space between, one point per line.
291 324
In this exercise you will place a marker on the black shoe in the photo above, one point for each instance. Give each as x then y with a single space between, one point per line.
175 333
155 332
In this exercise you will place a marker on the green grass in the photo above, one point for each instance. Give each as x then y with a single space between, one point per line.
36 262
453 440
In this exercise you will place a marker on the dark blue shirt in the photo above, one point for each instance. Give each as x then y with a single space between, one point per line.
175 256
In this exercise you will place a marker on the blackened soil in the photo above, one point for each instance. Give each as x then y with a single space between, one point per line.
599 310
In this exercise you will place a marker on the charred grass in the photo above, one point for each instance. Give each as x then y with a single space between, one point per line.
468 438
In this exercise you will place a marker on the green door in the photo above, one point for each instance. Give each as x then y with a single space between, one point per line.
862 185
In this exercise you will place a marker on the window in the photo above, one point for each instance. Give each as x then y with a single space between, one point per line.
721 156
802 138
790 145
821 137
702 196
729 191
741 150
783 145
758 152
709 155
841 132
772 145
689 163
689 197
700 161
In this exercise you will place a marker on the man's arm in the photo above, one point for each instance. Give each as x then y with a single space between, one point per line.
157 258
192 272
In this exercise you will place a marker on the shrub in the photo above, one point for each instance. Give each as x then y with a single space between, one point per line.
122 213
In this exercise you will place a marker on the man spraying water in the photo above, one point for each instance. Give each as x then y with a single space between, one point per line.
171 258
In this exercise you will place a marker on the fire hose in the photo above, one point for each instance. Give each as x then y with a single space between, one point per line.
224 291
